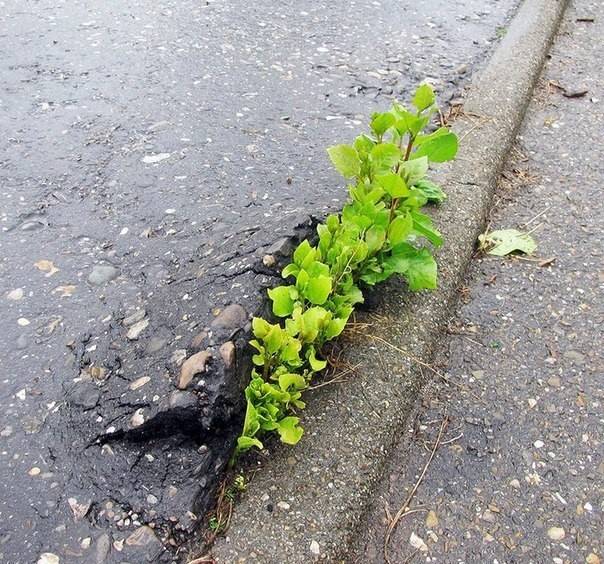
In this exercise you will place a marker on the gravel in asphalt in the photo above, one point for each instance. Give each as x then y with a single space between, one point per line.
519 473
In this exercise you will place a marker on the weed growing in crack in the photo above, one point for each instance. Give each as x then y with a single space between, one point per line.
380 232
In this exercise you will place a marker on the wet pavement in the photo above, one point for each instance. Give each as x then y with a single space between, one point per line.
519 473
152 154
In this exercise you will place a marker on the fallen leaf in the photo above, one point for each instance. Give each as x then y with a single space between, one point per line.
506 241
46 266
65 291
574 93
432 520
417 542
567 92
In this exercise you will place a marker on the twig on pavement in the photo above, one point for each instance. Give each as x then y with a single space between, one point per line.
404 510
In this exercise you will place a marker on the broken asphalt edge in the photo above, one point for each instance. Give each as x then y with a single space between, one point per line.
306 502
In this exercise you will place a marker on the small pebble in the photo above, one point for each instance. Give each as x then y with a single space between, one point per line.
268 261
138 418
15 295
136 329
102 273
48 558
556 533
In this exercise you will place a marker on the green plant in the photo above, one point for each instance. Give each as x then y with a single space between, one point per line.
380 232
237 486
215 525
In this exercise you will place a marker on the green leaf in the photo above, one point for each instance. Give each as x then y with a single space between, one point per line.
353 295
380 123
374 195
424 97
316 364
422 224
507 241
335 327
288 380
283 304
245 443
290 353
439 149
421 139
431 191
422 271
384 157
363 144
400 228
318 289
274 339
250 425
290 270
333 222
317 268
417 265
394 185
346 160
415 169
375 237
303 250
289 430
413 124
416 199
313 320
302 280
260 327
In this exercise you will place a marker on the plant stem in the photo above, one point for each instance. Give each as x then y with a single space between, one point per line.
394 203
409 147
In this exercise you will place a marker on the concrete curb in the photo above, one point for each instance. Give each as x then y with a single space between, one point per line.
326 482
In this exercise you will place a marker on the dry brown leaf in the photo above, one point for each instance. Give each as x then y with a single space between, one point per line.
65 291
46 266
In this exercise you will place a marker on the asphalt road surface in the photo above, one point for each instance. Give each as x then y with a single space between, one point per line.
151 154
